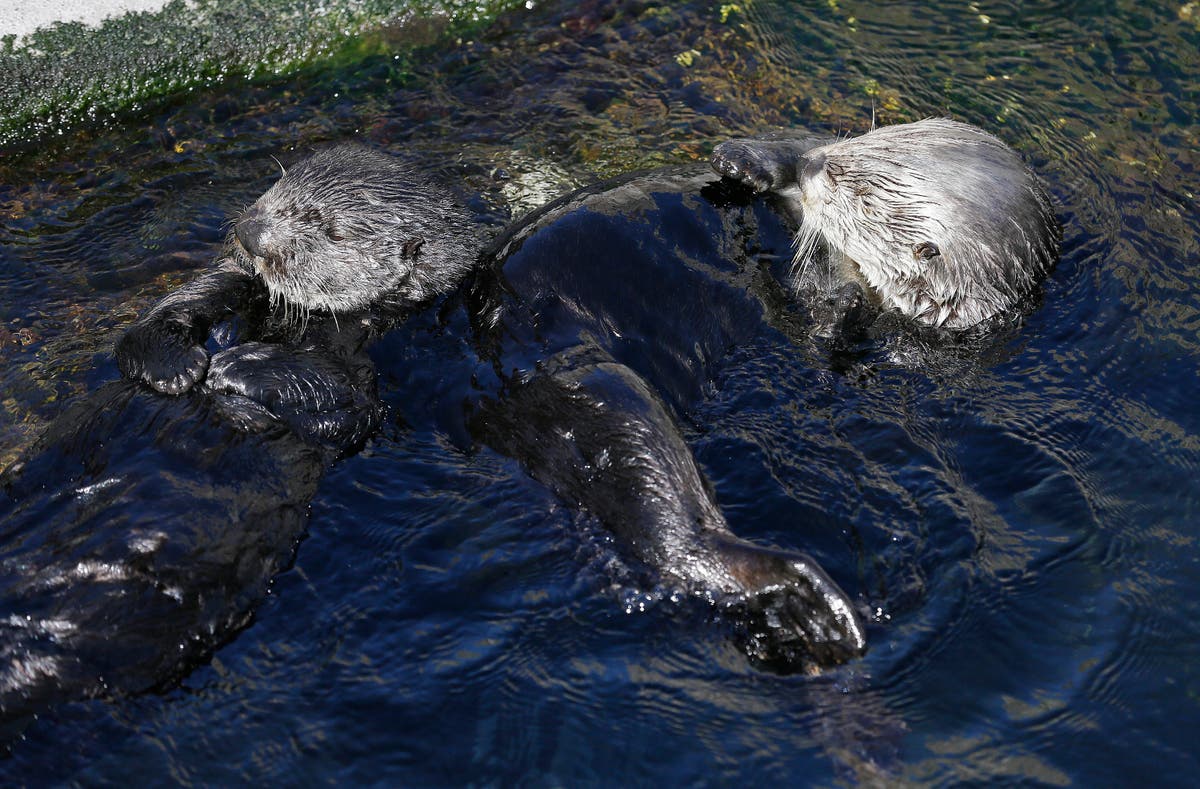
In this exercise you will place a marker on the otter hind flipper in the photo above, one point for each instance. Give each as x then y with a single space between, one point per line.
792 615
599 437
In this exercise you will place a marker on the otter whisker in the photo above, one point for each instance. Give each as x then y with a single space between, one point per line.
327 291
804 244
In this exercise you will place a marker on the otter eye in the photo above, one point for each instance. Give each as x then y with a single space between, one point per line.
926 250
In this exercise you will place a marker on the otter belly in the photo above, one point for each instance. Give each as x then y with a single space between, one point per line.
602 318
141 530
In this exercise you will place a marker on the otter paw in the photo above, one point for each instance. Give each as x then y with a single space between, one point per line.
316 395
162 354
758 165
855 314
787 629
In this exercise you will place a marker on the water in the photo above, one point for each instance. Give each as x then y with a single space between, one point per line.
1023 525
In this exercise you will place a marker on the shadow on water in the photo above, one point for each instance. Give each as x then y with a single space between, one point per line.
1019 519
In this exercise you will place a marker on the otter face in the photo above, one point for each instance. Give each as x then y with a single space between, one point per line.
943 220
350 227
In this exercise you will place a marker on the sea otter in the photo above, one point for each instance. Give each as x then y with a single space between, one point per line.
592 422
141 530
936 219
626 464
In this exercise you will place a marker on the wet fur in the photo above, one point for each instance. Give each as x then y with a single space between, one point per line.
141 530
937 219
104 578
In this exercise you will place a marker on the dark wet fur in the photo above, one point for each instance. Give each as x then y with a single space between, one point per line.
600 318
142 529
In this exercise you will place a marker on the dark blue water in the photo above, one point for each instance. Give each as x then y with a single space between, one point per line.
1022 522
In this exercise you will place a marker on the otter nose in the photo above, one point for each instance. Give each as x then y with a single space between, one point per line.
251 230
814 163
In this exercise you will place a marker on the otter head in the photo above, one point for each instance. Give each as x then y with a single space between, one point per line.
350 227
943 220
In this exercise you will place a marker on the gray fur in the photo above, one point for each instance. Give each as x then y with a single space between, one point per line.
348 228
942 221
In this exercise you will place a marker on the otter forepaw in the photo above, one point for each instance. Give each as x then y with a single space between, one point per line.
163 354
855 314
316 395
761 166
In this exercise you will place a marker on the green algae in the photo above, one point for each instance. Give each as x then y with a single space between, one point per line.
71 73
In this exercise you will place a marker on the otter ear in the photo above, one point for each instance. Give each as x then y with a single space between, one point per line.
926 250
834 171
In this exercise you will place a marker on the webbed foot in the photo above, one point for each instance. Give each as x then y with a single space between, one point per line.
792 616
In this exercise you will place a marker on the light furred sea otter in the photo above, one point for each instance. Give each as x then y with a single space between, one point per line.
936 219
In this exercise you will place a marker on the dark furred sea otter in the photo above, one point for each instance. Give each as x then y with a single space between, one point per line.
588 313
142 529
